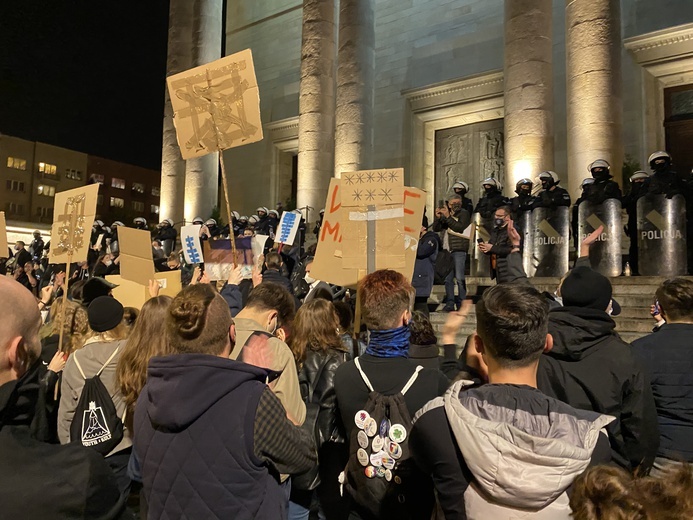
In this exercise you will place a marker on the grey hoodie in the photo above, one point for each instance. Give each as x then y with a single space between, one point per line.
518 451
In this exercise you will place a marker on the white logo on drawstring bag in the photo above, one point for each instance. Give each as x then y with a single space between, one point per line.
94 427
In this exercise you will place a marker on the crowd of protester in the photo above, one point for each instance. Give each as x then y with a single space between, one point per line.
256 398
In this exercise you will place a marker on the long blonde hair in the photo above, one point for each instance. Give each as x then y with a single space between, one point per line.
75 325
147 340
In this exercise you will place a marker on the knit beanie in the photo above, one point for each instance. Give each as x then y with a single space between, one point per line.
585 287
105 313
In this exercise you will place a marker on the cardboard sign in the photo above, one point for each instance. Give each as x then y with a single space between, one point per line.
219 260
392 241
258 245
216 106
133 294
190 239
288 227
72 222
136 263
4 253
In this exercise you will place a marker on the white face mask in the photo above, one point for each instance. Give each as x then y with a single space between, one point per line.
274 329
309 279
108 263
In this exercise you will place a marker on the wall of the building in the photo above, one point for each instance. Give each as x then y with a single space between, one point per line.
16 166
418 43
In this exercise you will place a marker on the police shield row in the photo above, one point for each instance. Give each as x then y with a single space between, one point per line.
657 210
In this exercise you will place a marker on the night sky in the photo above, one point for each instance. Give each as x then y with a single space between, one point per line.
85 75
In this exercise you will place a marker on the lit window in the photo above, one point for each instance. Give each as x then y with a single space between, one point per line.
75 175
118 183
48 169
15 186
46 191
138 187
17 164
154 209
95 177
117 202
138 206
155 191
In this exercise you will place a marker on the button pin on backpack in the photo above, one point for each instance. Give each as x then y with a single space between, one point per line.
360 418
371 427
362 456
370 472
378 443
394 449
398 433
362 439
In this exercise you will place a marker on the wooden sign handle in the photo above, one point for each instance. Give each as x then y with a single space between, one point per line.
63 313
225 188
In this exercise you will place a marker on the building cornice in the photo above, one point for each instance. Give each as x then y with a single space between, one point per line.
283 125
480 86
648 47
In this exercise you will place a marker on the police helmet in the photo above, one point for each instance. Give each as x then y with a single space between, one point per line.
599 163
253 219
549 176
639 176
586 182
460 185
198 220
492 182
98 223
210 222
139 220
236 215
322 211
658 156
243 219
117 223
523 182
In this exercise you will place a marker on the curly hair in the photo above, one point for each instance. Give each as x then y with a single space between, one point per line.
611 493
75 325
384 296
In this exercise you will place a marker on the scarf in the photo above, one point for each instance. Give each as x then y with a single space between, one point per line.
389 343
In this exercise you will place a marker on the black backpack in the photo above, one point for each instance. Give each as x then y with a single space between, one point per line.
379 474
96 424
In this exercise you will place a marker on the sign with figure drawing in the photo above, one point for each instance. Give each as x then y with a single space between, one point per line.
216 106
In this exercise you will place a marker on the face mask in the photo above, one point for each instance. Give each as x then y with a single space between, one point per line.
525 190
109 263
660 166
545 185
455 207
274 329
489 189
600 174
309 279
499 222
460 192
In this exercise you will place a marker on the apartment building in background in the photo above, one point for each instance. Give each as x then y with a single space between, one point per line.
31 173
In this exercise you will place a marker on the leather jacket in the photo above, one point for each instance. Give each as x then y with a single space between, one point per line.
316 379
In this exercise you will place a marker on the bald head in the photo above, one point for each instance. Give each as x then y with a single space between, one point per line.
19 343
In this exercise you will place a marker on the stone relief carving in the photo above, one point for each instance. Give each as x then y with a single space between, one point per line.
492 155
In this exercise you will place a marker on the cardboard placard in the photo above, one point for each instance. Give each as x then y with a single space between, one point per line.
136 263
72 222
393 241
288 227
190 240
4 246
216 106
219 259
133 294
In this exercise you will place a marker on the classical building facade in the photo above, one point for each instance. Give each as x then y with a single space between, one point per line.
458 89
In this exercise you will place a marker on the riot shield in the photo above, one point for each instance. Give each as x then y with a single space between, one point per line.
523 225
480 263
662 236
550 241
605 253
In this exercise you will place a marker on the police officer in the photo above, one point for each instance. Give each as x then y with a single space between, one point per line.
461 188
273 217
665 181
140 223
166 235
586 186
263 226
552 195
96 231
492 198
603 187
112 237
242 224
318 224
524 199
638 188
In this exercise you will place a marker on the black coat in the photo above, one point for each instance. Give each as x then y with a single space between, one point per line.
667 356
456 223
591 368
552 198
425 265
501 250
489 203
602 190
40 480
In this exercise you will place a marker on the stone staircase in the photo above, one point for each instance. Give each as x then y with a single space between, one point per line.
635 294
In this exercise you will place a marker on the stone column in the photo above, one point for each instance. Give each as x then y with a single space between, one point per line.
595 108
316 105
355 81
528 89
194 38
202 173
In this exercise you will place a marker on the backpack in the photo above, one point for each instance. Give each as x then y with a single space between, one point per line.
96 424
377 474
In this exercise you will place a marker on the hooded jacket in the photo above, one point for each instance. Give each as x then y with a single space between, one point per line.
40 480
212 438
591 368
505 451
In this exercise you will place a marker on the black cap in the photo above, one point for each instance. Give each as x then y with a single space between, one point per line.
105 313
585 287
94 288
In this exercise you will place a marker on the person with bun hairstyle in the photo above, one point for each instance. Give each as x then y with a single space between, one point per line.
210 435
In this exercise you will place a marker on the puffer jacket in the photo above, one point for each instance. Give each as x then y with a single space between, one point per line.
505 451
591 368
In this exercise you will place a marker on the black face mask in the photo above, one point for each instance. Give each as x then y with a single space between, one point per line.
460 192
524 190
545 185
499 222
660 166
600 174
490 190
455 207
